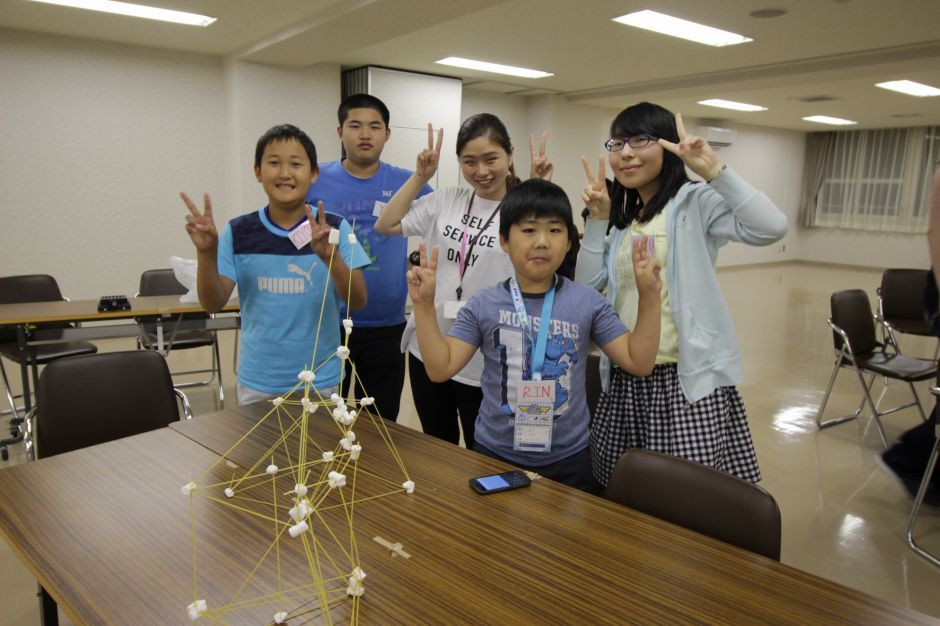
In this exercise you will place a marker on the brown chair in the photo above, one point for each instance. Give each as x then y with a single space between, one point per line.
699 498
163 282
857 347
901 304
91 399
18 290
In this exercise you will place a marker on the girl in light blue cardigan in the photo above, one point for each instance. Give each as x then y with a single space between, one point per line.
689 406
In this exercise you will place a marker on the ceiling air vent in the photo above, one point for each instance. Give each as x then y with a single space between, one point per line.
816 98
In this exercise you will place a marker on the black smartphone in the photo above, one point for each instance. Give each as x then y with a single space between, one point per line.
500 482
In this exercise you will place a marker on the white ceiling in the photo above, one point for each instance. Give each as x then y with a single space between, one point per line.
832 48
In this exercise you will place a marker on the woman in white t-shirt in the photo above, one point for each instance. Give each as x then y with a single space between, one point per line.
464 223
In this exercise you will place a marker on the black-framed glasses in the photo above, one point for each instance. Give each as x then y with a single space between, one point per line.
616 144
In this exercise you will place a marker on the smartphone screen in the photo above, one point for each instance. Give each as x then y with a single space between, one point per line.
499 482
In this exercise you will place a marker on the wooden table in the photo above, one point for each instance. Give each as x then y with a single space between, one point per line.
164 311
106 531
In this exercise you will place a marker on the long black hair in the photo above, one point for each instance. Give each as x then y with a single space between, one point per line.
646 118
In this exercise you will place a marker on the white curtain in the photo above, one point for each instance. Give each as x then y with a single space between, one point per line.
875 180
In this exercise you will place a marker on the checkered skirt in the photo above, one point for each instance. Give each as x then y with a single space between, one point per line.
652 413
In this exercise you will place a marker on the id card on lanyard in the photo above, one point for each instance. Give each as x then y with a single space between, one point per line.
535 399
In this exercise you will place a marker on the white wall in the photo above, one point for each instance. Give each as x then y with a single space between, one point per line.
99 139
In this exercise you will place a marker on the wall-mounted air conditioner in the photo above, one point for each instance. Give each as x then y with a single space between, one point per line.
716 136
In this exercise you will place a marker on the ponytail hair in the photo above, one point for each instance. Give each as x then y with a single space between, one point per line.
487 125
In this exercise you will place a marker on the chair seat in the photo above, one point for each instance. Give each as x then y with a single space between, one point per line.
179 341
912 326
49 352
897 366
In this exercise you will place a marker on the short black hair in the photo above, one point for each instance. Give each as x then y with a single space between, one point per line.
286 132
361 101
535 198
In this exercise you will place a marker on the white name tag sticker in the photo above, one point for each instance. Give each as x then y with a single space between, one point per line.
535 407
452 307
300 236
378 208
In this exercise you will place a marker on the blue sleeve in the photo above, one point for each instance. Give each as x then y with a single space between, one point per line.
466 327
226 255
354 255
607 325
424 190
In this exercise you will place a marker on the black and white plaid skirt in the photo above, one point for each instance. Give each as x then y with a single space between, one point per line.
652 413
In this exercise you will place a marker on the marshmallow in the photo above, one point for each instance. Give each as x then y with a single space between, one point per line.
348 440
187 488
358 574
271 469
328 455
196 609
300 511
354 452
348 325
308 405
342 352
335 399
307 376
229 492
335 479
334 236
409 486
297 529
351 238
355 588
300 490
367 401
280 617
277 401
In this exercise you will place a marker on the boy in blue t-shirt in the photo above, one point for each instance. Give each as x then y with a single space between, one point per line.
534 331
357 188
286 271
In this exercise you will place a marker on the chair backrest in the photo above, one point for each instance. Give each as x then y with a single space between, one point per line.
902 294
160 283
29 288
699 498
851 311
86 400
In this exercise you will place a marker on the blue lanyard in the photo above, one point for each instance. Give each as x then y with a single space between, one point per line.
538 354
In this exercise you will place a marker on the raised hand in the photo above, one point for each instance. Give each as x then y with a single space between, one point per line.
541 166
694 152
595 195
421 279
319 232
201 226
429 157
646 269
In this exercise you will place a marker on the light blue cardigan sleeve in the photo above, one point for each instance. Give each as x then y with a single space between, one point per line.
591 268
753 219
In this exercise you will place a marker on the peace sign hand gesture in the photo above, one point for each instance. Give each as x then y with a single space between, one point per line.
429 158
541 166
319 232
646 269
201 226
694 152
595 195
421 279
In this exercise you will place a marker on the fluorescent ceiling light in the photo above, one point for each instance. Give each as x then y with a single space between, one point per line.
825 119
676 27
910 88
136 10
730 104
496 68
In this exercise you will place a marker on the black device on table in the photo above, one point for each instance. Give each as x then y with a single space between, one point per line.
500 482
113 303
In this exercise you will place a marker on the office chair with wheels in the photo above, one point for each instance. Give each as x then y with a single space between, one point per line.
856 347
699 498
162 282
901 304
23 289
86 400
